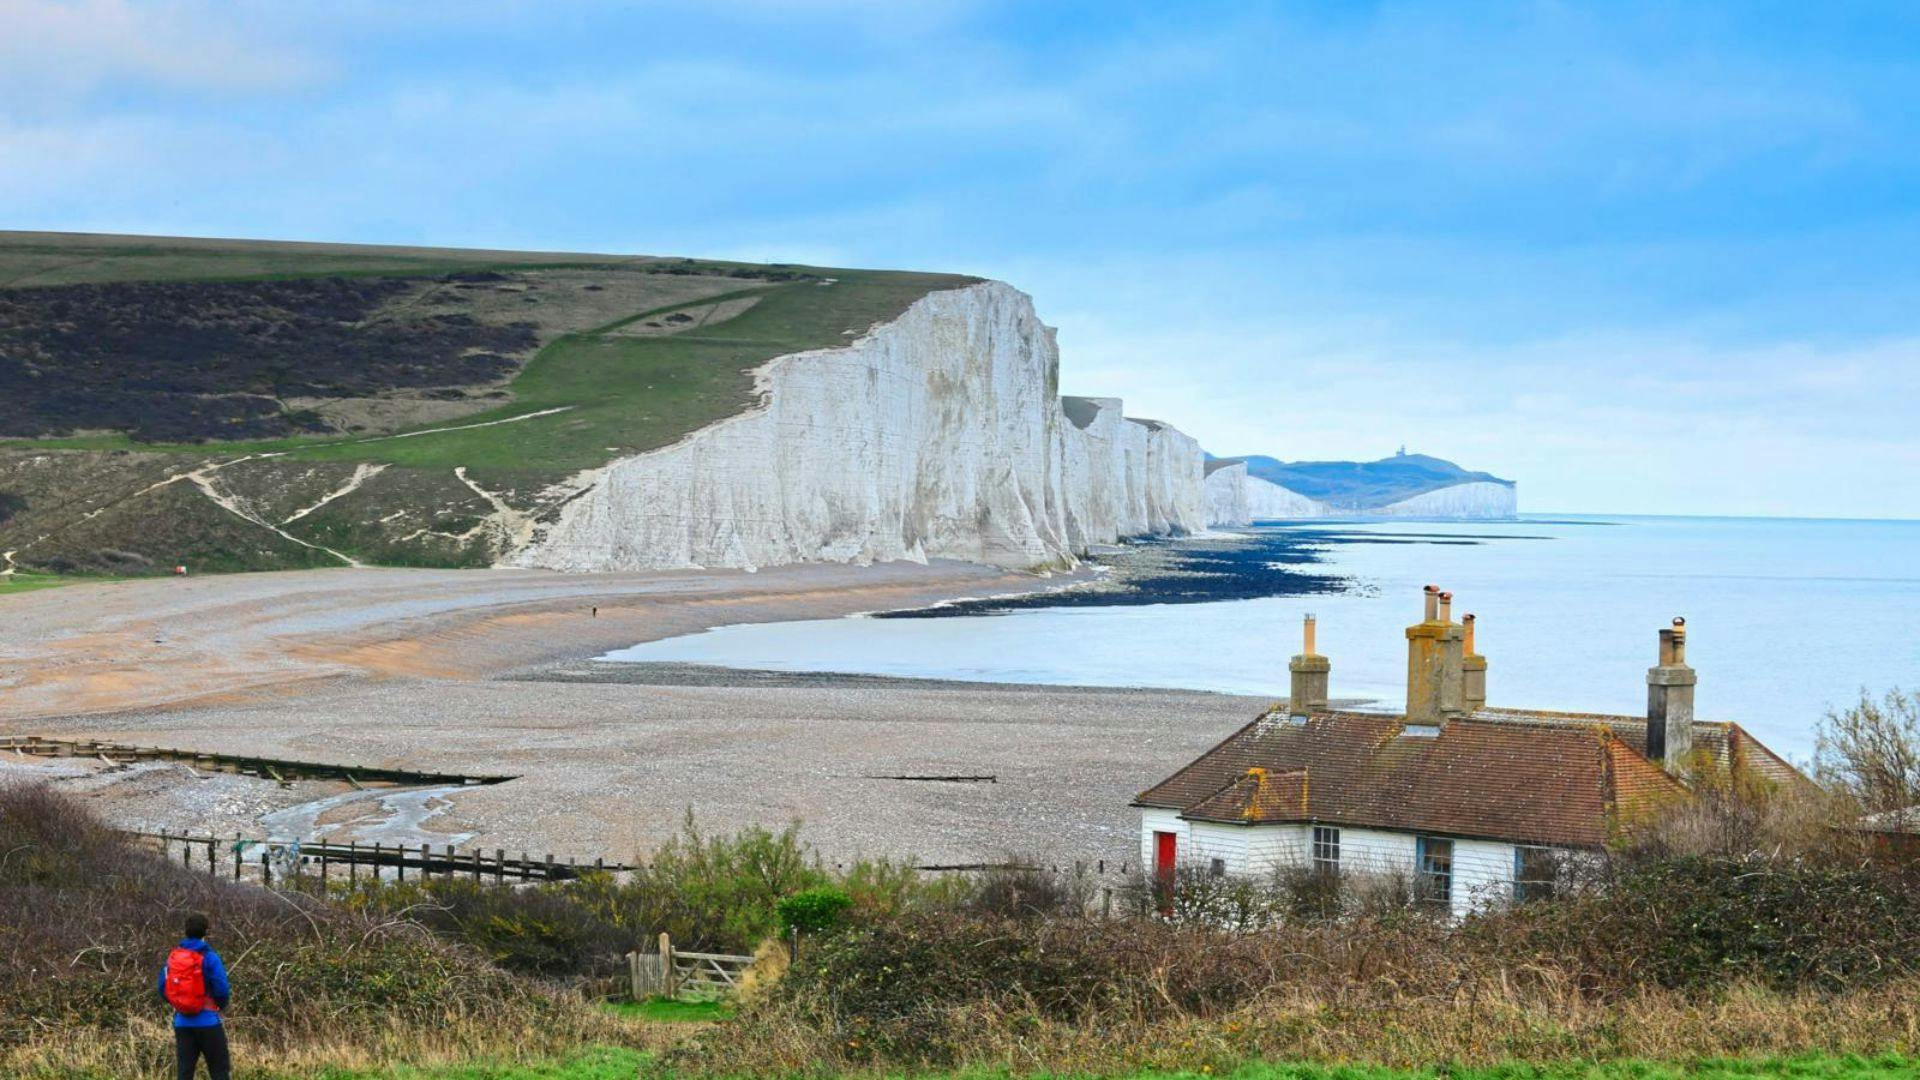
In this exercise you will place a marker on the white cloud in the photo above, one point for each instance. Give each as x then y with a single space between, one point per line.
52 49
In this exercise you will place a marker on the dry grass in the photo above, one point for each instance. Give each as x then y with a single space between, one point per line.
1481 1025
85 920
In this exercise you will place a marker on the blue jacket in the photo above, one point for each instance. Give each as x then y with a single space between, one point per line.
215 974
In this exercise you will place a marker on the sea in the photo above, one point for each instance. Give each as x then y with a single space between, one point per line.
1786 618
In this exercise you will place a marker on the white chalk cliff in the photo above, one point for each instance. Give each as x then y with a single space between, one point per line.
1476 500
1227 494
939 434
1234 498
1268 501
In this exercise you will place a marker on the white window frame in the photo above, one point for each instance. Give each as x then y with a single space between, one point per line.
1325 848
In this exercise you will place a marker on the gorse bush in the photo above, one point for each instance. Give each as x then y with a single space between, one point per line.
811 911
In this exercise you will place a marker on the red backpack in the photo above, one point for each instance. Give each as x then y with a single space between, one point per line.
187 981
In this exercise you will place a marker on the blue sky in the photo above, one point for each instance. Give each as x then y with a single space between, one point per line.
1658 258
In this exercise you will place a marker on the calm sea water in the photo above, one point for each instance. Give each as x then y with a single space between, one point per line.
1786 618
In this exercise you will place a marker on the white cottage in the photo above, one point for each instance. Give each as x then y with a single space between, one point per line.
1474 805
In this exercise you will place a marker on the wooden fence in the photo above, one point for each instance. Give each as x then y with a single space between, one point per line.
268 859
283 770
673 972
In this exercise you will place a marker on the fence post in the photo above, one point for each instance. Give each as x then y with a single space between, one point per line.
323 869
399 862
499 866
450 866
669 980
1106 902
236 856
266 868
211 869
550 868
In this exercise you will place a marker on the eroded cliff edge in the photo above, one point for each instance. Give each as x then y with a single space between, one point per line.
940 434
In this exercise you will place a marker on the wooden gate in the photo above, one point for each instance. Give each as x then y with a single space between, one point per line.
671 972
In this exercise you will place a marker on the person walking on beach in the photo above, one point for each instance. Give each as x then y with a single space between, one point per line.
194 982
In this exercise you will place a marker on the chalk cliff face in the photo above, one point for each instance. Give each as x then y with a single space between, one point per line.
937 435
1476 500
1268 501
1227 494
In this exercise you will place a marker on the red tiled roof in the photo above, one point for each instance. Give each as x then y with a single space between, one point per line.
1253 796
1549 778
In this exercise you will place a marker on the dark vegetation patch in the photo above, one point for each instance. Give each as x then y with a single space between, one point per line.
190 361
10 504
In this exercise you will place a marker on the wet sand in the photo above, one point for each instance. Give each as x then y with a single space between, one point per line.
480 671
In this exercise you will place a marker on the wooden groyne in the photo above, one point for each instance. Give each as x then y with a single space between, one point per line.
243 856
284 770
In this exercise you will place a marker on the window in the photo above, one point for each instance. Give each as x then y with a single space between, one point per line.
1218 868
1326 849
1433 876
1536 871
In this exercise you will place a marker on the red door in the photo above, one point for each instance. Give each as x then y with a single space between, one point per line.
1165 855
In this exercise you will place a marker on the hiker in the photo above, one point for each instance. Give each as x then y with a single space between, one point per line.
194 982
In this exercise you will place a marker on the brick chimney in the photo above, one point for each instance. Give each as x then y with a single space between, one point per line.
1434 662
1473 671
1670 702
1310 672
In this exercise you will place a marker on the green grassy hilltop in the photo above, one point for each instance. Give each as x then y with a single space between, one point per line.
335 389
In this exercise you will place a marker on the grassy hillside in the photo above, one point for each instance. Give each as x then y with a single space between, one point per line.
127 362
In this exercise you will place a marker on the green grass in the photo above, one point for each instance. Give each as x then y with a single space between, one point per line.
600 1063
23 582
607 1064
663 1010
623 394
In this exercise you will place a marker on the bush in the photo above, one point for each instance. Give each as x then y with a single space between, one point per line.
811 911
86 917
1020 889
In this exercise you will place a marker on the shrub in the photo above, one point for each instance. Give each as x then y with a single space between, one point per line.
811 911
1871 752
86 917
1018 888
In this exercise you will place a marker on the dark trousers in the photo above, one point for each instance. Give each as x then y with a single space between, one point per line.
192 1044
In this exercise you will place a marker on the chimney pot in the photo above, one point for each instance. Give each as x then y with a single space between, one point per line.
1670 687
1434 664
1310 673
1473 670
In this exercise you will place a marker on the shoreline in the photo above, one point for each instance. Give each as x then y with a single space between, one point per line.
98 650
451 671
